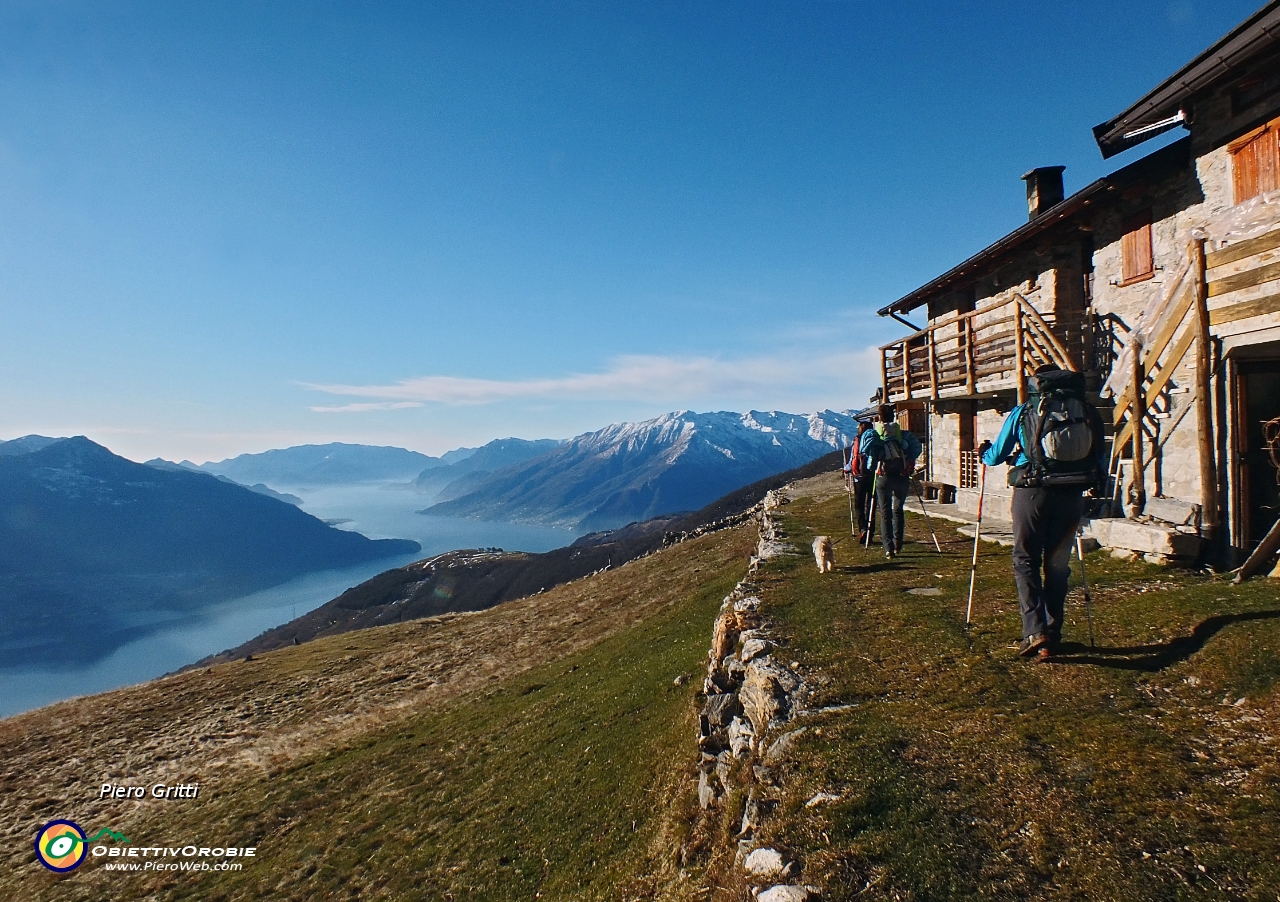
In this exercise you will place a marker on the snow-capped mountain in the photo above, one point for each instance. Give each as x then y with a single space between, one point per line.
633 471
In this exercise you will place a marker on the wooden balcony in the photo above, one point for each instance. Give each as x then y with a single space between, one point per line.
987 350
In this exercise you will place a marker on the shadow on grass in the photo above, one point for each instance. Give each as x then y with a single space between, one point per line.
1153 658
862 569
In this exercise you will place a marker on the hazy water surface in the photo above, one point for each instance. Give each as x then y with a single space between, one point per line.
375 511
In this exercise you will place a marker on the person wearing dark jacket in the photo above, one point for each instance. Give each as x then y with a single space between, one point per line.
1054 444
890 454
856 471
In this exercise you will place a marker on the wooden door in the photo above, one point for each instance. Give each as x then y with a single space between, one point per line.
1257 399
968 411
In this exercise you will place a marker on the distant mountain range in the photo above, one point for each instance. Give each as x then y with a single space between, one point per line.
473 580
629 472
188 466
333 464
456 479
96 550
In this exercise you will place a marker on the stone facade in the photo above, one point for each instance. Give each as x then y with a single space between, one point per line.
1071 270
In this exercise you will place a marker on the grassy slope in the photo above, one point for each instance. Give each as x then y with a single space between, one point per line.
1142 769
541 746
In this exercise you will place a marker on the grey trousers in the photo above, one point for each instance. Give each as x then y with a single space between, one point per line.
891 495
1044 529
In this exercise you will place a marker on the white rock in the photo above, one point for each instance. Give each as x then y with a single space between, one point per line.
707 794
765 690
753 648
822 798
765 863
778 750
784 894
740 737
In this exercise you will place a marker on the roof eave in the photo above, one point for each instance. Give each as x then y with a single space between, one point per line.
1244 42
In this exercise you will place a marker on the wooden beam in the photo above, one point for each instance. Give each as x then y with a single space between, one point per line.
971 378
1246 279
884 374
1138 406
1241 249
906 370
1157 385
1063 358
1039 346
1260 555
1019 352
933 368
1259 307
1151 356
1204 416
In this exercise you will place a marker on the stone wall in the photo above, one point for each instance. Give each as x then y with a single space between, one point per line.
747 724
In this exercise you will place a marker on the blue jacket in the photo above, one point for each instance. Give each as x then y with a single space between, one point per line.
872 446
1006 443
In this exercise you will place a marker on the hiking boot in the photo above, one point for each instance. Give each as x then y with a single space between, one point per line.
1030 645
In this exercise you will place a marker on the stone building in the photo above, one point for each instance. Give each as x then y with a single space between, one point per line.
1162 275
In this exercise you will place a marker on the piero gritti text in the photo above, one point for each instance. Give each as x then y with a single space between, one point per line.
155 791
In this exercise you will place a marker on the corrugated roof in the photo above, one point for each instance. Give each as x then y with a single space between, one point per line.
1152 114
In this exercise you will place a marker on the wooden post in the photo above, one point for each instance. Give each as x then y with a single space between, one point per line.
933 366
1137 412
884 374
971 378
1019 345
1209 513
906 368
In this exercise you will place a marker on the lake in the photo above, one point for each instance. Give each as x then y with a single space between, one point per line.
379 512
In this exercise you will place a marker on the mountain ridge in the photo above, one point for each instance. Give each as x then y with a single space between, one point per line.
478 579
628 472
121 547
335 463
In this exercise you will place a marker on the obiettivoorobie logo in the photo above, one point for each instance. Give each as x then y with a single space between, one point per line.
62 845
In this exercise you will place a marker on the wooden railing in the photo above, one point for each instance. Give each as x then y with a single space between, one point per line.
995 347
1215 291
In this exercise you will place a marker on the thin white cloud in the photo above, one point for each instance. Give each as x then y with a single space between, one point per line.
671 380
373 405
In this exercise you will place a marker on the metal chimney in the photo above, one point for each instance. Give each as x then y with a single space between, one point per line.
1044 189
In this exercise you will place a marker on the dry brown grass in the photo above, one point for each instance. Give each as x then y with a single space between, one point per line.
247 720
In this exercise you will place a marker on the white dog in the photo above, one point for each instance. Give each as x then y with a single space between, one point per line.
824 553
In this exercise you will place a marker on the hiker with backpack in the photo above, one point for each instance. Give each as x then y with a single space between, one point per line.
856 471
1054 444
889 453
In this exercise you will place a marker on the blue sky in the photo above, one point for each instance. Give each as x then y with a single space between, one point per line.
227 227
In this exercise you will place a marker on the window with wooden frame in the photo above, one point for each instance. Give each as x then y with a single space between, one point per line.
1255 162
1135 247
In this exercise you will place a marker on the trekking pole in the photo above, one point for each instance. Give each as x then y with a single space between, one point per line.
848 488
1084 581
871 513
927 521
977 531
871 516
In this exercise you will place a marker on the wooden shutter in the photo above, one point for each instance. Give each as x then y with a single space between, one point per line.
1136 247
1255 162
